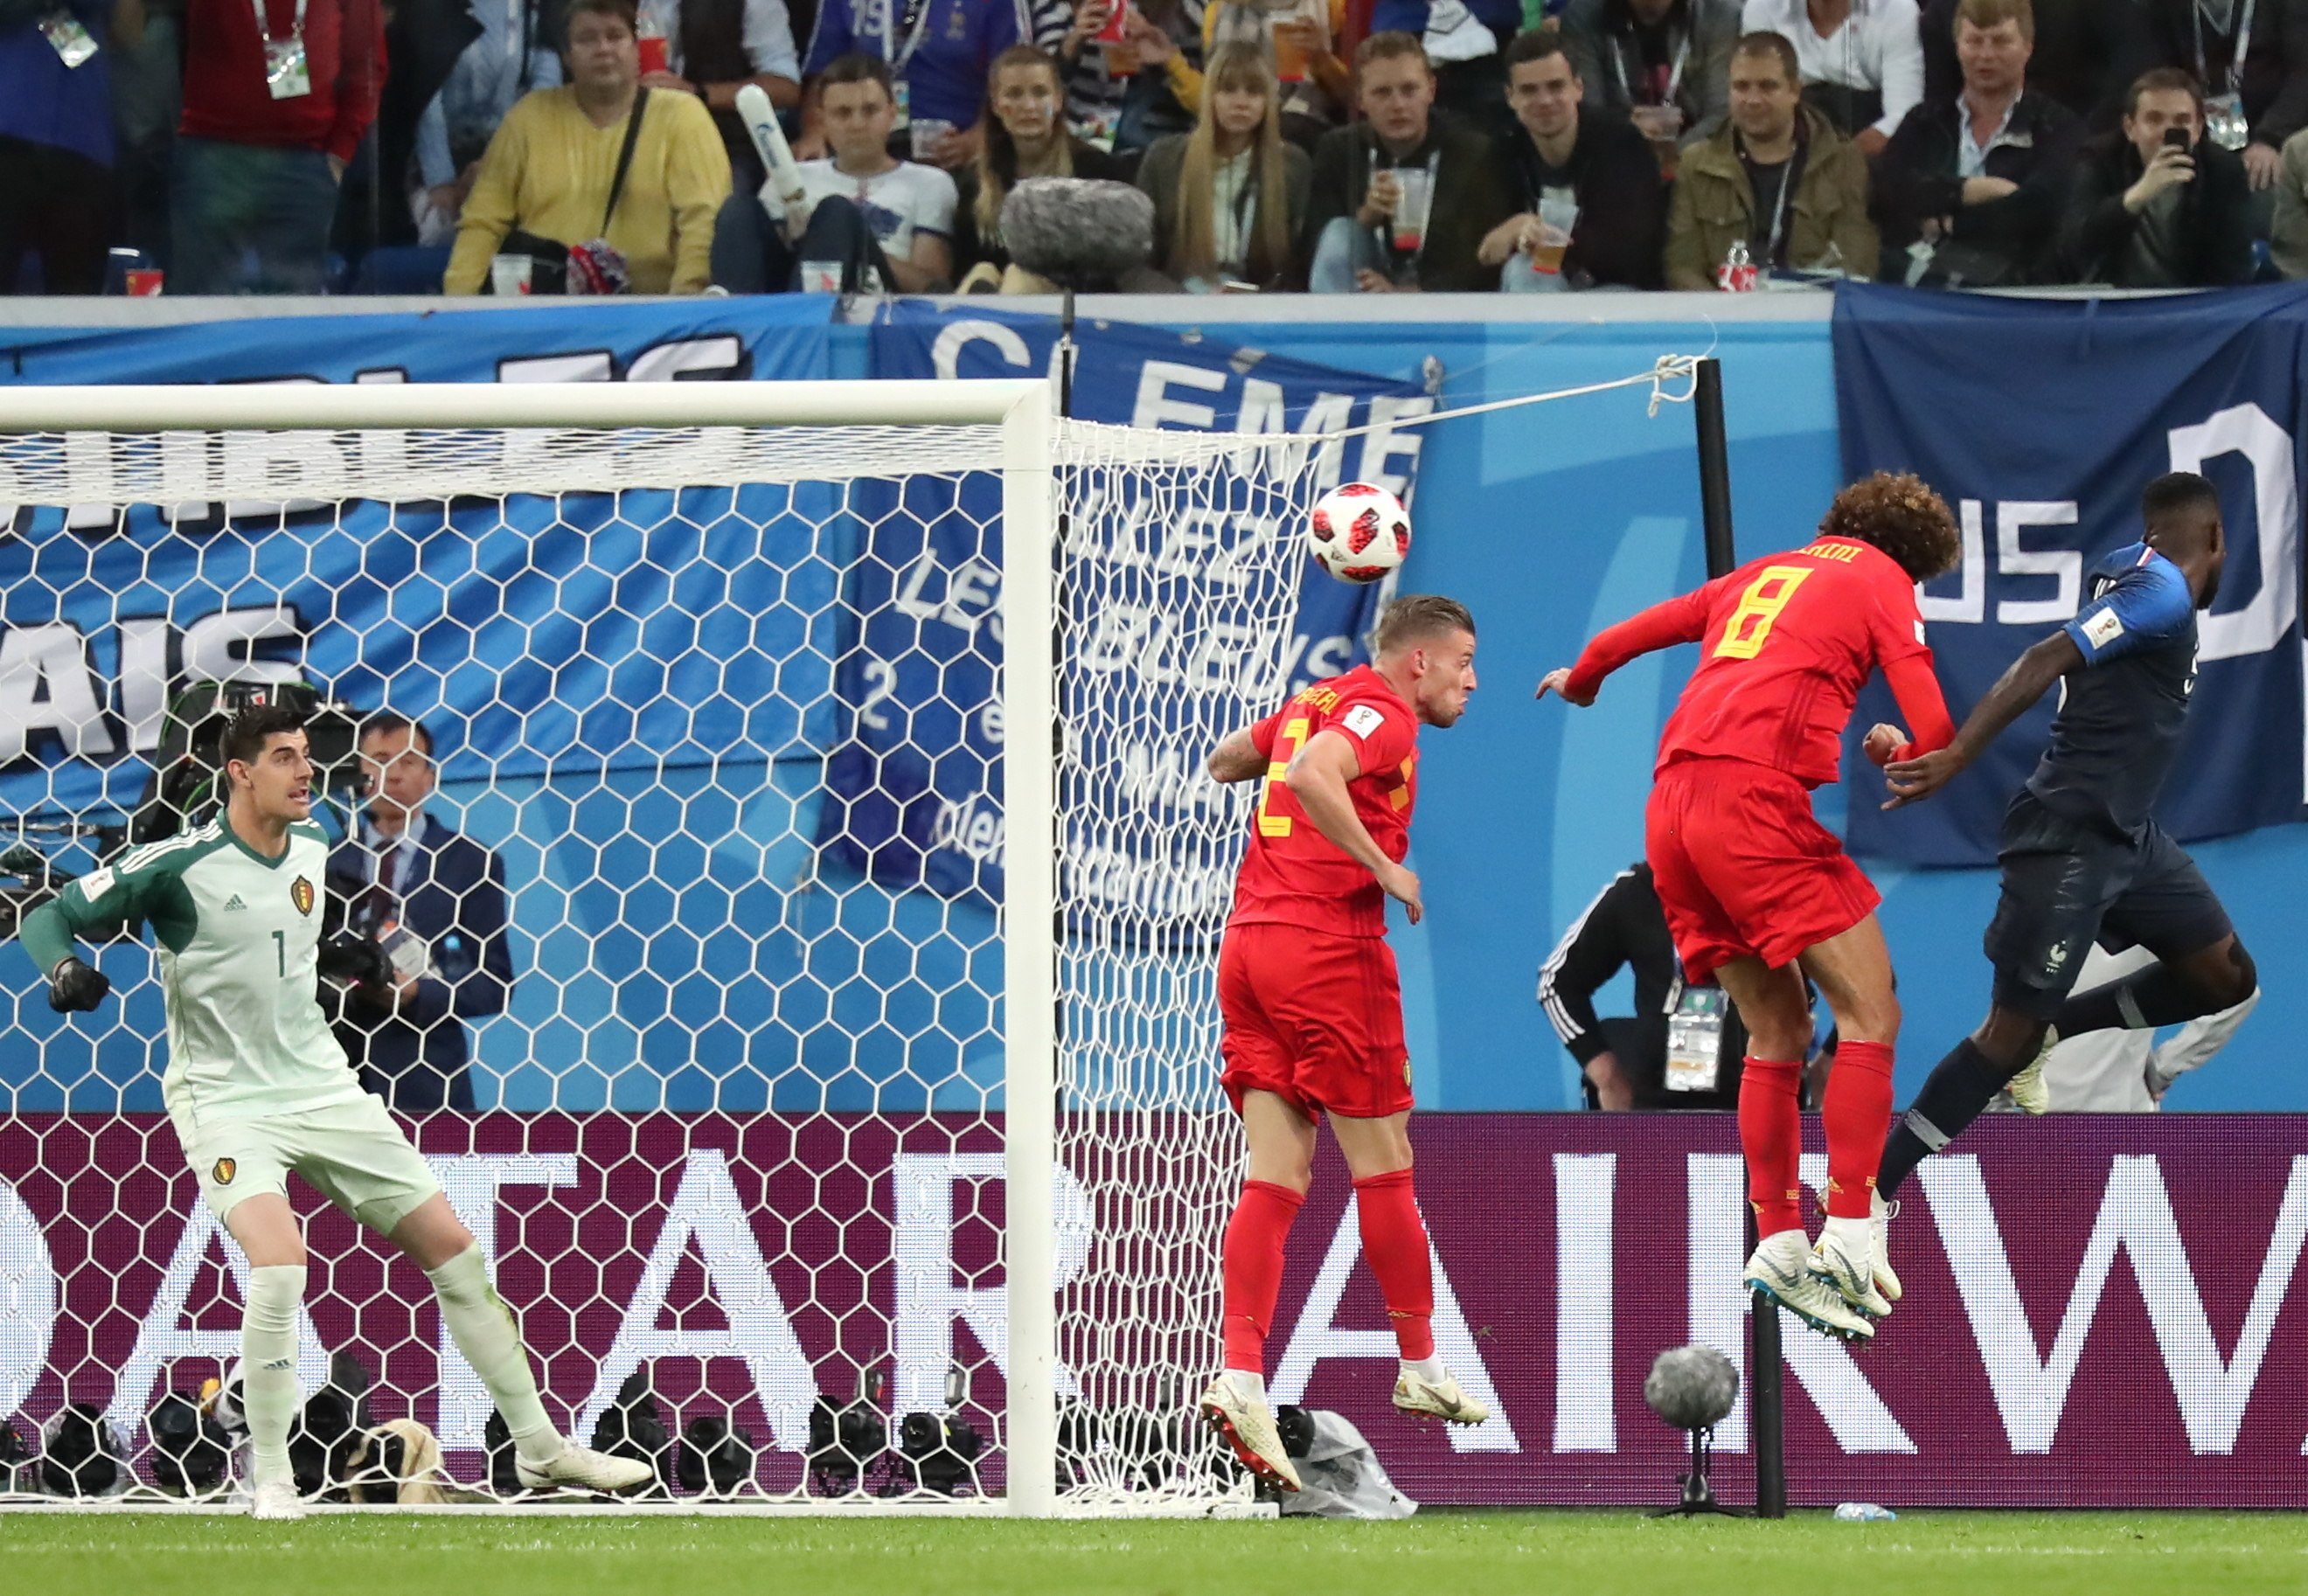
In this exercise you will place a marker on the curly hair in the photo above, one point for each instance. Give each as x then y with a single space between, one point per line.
1896 512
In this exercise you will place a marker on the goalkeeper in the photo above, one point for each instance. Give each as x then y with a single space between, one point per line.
257 1086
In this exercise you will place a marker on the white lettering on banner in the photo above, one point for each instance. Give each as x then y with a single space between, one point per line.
945 353
470 1181
929 1299
27 1299
1969 603
1716 1185
1315 1337
1583 1367
1384 443
2067 565
975 827
2135 1213
161 1341
1265 411
2248 431
688 359
1154 406
594 366
706 1208
47 687
967 596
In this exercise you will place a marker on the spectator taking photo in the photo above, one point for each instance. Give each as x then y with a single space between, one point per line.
2158 205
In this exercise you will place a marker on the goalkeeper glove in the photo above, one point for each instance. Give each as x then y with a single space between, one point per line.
76 987
361 960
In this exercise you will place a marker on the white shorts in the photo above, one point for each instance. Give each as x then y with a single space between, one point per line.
351 1152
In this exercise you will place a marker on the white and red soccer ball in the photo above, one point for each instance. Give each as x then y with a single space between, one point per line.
1358 532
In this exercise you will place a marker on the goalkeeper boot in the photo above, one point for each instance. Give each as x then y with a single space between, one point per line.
276 1499
1248 1426
1440 1399
2029 1093
580 1468
1879 1227
1847 1262
1780 1268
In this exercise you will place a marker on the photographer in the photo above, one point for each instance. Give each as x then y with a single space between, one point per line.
2157 205
436 902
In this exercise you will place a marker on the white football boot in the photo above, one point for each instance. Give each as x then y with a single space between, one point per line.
2029 1093
1780 1268
276 1499
1879 1226
1248 1426
1847 1263
580 1468
1440 1399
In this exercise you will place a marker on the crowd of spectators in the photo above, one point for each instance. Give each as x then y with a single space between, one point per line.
1331 145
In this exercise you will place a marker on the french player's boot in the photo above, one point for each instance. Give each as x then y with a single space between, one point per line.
1847 1262
1878 1230
276 1499
1248 1426
2029 1093
1780 1268
1440 1399
580 1468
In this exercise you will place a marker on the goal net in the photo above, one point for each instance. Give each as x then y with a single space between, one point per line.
835 992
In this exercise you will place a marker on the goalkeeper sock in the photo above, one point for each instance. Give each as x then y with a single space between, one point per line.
2156 996
482 1326
268 1363
1394 1240
1957 1092
1857 1113
1770 1135
1252 1259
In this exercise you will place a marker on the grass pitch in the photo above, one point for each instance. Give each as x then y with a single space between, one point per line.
1435 1554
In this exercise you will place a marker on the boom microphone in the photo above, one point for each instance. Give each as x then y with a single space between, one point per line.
761 120
1077 232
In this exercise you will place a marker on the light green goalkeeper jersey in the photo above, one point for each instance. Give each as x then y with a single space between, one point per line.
238 938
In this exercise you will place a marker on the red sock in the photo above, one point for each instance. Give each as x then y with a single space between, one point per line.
1770 1134
1253 1269
1858 1116
1394 1240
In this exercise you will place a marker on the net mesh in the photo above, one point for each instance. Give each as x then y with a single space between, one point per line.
718 724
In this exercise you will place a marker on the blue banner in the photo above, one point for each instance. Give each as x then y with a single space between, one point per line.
914 798
105 609
2040 423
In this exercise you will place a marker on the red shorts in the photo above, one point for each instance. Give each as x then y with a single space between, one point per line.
1313 1017
1743 867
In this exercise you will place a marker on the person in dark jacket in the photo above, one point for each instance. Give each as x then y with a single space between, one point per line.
1624 1061
2087 52
1594 210
436 902
1970 189
1364 174
2158 205
1663 65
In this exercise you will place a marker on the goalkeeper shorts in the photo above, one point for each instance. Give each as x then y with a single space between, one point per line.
351 1152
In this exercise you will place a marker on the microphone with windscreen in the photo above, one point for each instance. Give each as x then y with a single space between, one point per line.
1081 233
1693 1388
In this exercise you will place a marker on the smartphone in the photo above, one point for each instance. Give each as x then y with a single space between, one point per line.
2179 138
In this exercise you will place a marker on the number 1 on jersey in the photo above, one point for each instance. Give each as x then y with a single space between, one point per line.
1286 748
1759 605
280 950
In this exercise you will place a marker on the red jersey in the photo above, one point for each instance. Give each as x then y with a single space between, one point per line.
1788 642
1291 873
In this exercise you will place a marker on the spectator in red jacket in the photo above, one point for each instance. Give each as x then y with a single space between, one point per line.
277 94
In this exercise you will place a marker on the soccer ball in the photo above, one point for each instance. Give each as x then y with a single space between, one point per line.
1358 532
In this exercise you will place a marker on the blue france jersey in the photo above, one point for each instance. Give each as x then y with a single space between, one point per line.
2118 729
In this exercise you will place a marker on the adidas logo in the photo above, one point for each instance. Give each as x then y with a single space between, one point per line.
234 902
